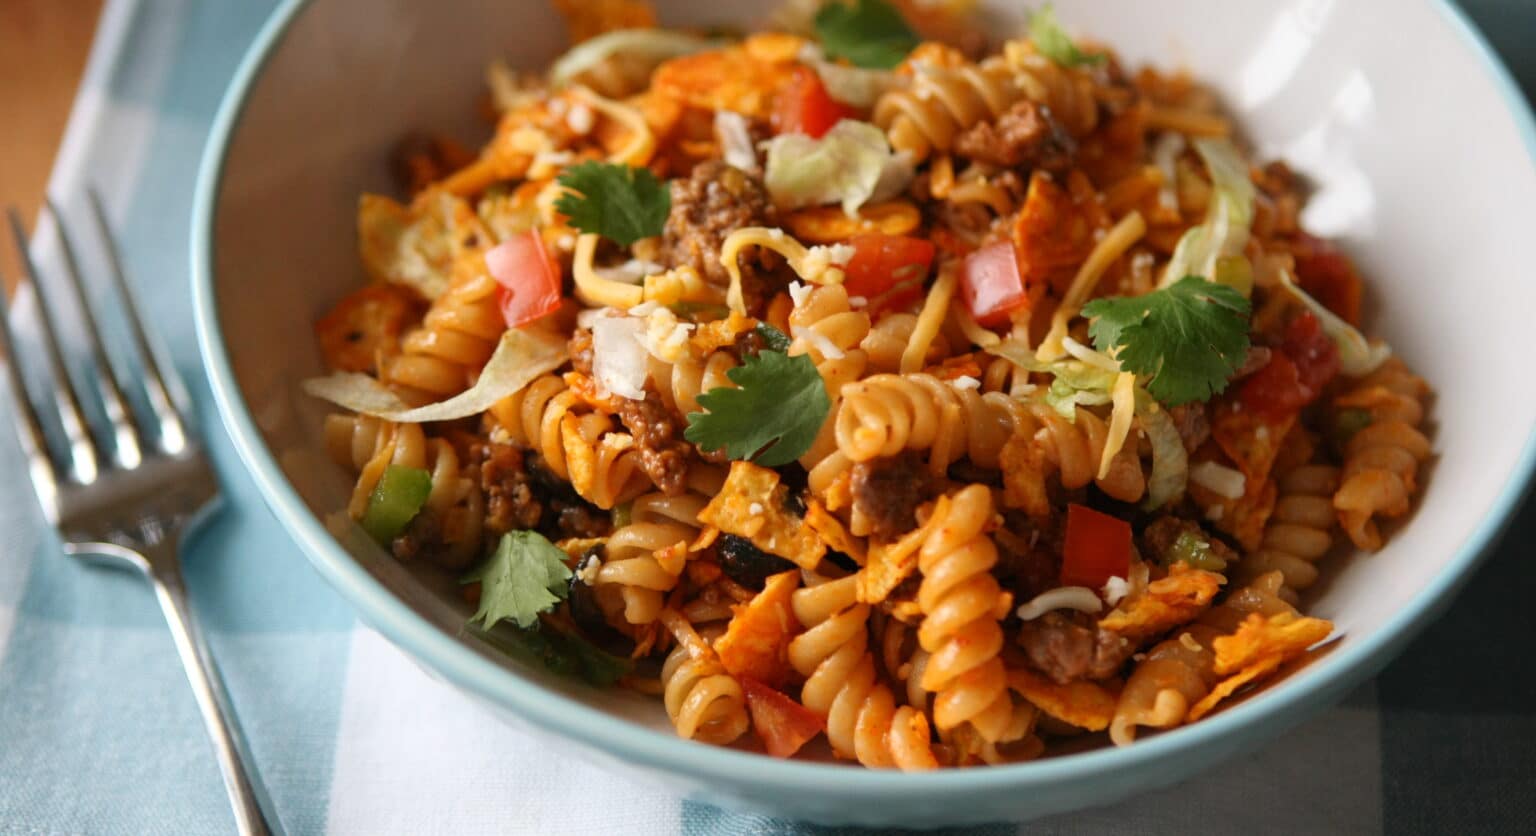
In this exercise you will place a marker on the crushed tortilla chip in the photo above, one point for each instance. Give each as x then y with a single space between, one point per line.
1249 438
586 19
586 389
416 246
1259 647
736 78
756 643
1087 705
832 532
751 505
1164 604
889 564
575 547
706 538
1024 475
720 333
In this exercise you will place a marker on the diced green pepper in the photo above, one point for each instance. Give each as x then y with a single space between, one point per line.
1195 550
1348 422
396 500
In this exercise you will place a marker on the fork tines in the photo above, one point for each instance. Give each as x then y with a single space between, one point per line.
122 443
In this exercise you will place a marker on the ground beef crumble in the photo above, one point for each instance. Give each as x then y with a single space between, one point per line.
521 494
714 201
1067 645
1024 134
658 435
887 492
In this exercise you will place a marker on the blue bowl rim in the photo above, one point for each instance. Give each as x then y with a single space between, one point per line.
1247 722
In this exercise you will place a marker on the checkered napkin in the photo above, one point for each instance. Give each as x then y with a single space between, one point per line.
99 733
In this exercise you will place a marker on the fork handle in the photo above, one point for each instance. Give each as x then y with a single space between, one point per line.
218 716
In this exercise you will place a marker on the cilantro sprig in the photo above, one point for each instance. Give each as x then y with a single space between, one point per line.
524 577
620 203
1188 338
1054 42
869 33
772 416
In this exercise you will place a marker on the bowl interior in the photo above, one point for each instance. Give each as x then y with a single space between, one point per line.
1431 221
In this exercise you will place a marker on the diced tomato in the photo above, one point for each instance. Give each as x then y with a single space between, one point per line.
783 724
529 278
1316 355
1098 547
888 270
804 106
1296 373
991 284
1328 276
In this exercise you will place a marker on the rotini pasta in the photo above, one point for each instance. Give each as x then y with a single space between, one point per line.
921 416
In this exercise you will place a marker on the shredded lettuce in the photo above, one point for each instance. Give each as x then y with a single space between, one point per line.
521 356
1170 461
1357 355
649 45
1227 219
850 165
855 85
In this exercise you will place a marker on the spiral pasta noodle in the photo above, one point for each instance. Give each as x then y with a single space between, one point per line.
885 414
703 701
1067 93
962 605
1178 672
863 720
941 102
1074 450
827 329
1381 460
440 358
644 559
1300 530
577 445
368 445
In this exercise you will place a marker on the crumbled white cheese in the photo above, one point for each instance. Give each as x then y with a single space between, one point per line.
630 272
581 120
665 337
1215 513
617 363
589 570
798 292
499 435
645 308
566 242
735 139
1190 643
587 317
965 382
1219 479
857 301
1115 589
755 508
819 259
1079 598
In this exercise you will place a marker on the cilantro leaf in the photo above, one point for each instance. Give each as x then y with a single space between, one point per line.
870 33
525 576
1189 337
781 402
1054 42
615 201
775 339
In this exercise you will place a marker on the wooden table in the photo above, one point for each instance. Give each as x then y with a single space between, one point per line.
43 46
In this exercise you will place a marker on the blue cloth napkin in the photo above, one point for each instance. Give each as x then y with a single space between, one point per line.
99 733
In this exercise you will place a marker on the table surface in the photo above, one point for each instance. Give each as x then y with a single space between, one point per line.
1462 685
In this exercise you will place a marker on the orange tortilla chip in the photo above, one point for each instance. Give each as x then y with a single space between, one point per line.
1250 439
1245 517
832 532
1257 649
751 505
756 643
720 333
1164 604
1023 476
734 78
889 565
1087 705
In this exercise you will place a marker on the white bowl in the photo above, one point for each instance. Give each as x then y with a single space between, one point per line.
1418 143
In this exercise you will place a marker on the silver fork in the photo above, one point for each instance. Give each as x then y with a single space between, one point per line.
131 494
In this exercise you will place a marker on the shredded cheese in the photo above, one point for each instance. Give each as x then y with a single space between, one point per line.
594 289
1115 589
1092 357
1079 598
1123 396
1120 238
817 269
935 308
642 143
